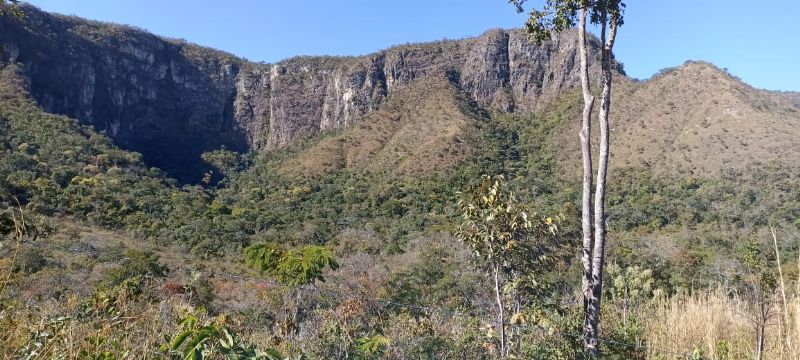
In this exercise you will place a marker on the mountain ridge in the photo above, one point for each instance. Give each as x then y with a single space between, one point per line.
694 120
172 100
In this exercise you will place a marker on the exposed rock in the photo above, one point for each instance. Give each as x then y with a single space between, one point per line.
171 100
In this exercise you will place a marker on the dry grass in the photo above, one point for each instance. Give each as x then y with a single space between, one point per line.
692 120
426 128
715 322
58 330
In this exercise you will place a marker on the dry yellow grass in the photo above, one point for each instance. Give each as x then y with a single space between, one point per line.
685 323
427 128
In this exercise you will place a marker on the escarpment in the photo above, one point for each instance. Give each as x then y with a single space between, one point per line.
171 100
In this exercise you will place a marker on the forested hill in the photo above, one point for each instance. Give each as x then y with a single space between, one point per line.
312 147
145 167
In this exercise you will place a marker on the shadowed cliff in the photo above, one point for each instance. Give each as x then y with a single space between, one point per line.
171 100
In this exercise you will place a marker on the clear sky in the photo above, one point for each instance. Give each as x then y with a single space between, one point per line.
755 40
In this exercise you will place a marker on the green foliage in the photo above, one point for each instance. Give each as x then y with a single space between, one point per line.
699 353
561 339
626 340
55 166
223 160
560 15
134 264
198 340
499 230
11 8
510 242
759 279
95 350
50 330
434 277
58 168
293 267
30 261
372 347
632 284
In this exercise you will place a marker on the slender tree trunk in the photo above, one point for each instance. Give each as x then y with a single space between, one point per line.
625 305
517 329
500 311
761 325
586 155
591 344
786 323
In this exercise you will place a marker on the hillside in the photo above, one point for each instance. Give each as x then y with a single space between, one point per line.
429 127
160 97
794 98
695 120
145 167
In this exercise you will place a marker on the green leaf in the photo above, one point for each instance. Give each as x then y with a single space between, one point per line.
180 338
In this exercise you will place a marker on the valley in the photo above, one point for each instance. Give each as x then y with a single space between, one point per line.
143 170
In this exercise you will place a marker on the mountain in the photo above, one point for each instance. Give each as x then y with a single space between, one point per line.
425 128
171 100
366 158
430 116
695 120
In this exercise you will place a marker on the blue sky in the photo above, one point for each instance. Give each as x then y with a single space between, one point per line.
754 40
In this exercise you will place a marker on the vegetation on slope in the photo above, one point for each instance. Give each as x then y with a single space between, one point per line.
385 214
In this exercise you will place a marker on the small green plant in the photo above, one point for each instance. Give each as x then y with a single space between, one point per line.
95 352
43 338
723 350
372 347
699 353
198 341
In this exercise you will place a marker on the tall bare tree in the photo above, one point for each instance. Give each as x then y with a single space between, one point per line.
557 16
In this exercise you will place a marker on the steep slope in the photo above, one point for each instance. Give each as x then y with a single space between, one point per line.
500 69
168 100
695 120
54 166
429 127
171 100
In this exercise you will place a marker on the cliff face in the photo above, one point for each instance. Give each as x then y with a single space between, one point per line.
500 69
167 100
171 100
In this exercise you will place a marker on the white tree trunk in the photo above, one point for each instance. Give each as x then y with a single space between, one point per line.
586 155
591 343
500 311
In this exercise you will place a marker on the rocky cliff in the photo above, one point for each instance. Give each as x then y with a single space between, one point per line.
172 100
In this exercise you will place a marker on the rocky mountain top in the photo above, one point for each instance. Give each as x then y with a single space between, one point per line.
171 100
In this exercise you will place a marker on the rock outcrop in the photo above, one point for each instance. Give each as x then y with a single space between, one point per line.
172 100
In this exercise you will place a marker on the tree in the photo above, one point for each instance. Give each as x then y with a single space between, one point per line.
10 7
759 287
559 15
292 268
505 238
